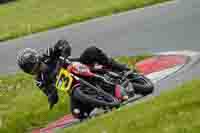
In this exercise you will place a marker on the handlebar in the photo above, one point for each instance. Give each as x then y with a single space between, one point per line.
67 61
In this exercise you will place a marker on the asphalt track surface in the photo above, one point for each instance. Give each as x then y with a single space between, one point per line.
169 26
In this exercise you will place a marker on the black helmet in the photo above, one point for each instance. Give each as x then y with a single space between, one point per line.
63 47
27 59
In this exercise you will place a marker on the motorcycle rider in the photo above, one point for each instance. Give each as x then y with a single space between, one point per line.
44 67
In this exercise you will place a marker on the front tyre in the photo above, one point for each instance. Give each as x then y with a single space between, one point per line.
83 109
98 99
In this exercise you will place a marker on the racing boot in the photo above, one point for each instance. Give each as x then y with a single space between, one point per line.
124 94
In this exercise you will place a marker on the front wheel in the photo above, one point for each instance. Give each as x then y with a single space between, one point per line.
95 98
142 85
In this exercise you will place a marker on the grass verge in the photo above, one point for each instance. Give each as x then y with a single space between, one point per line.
23 106
176 111
24 17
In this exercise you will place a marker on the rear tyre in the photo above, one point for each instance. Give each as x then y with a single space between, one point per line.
142 85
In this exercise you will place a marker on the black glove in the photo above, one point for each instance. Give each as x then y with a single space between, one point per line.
118 66
52 97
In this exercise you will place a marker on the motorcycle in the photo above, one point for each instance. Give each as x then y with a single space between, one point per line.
100 87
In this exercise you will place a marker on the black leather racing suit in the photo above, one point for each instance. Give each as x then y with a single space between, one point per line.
45 80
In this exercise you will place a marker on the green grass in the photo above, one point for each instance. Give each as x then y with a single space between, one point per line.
24 107
176 111
28 16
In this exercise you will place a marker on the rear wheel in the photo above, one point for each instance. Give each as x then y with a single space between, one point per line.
142 85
